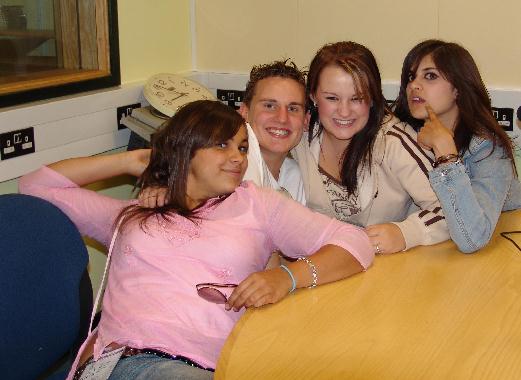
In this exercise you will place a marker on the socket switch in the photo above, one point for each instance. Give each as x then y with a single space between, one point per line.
233 98
125 111
504 117
16 143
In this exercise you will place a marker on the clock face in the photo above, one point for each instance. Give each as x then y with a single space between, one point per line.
168 92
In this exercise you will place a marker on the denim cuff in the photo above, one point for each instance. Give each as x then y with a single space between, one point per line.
447 172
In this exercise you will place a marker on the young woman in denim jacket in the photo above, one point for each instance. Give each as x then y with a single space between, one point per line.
442 95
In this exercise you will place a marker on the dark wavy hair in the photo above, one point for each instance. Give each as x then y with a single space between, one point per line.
359 62
457 66
282 69
196 125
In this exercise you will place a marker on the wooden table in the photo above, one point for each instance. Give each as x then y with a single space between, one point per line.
429 313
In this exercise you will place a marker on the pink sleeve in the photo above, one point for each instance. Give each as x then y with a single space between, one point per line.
299 231
91 212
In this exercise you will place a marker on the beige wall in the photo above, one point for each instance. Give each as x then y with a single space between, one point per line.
154 37
232 35
491 30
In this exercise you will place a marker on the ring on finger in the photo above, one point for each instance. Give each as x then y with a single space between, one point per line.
378 249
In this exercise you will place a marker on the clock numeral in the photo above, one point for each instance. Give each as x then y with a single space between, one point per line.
159 94
159 87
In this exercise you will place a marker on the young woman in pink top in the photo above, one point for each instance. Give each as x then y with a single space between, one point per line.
181 274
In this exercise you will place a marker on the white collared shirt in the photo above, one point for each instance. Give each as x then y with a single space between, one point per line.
258 172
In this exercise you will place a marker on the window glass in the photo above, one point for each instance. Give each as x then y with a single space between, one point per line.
66 46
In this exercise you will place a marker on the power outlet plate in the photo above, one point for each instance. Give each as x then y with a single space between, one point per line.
125 111
504 117
16 143
233 98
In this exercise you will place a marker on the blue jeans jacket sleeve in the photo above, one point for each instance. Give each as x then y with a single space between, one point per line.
472 194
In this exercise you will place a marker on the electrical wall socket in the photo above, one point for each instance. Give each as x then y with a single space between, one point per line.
16 143
233 98
504 117
125 111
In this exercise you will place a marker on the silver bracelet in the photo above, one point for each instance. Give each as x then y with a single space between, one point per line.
313 271
448 158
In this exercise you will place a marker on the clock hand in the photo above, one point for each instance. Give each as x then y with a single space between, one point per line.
181 94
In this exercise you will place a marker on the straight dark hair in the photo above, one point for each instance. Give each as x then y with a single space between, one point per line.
457 66
357 61
196 125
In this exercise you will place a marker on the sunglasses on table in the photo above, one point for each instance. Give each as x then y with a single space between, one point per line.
214 293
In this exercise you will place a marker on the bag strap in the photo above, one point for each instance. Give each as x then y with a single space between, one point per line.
101 289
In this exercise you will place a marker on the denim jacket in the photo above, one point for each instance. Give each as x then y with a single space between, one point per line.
474 193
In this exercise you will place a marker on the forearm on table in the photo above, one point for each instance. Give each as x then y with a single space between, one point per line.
471 231
332 263
471 213
424 227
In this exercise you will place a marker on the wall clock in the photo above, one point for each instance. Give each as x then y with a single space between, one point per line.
167 92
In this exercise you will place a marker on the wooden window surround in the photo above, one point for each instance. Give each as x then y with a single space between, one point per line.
85 43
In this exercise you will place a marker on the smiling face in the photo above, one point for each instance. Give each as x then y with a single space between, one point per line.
219 169
428 86
343 112
277 115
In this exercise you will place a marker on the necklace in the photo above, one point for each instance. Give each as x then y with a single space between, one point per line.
332 162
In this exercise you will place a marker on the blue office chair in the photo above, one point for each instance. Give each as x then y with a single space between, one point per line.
45 289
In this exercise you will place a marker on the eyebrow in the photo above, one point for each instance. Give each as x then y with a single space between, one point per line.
430 68
361 94
276 101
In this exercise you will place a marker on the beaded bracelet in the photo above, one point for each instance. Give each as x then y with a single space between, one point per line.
313 271
293 282
447 158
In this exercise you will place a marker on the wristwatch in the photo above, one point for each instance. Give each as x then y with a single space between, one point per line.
167 92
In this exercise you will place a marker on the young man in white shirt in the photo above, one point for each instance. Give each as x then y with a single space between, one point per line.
274 105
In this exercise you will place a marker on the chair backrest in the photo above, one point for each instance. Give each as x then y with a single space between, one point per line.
43 261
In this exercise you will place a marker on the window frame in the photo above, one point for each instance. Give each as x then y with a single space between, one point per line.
76 86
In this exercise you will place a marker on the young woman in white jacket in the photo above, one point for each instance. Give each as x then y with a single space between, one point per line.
359 163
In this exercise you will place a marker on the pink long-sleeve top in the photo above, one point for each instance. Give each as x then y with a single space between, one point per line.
150 299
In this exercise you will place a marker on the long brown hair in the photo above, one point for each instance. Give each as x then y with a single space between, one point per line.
457 66
359 62
196 125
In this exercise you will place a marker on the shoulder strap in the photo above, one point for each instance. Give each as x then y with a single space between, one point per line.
101 289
